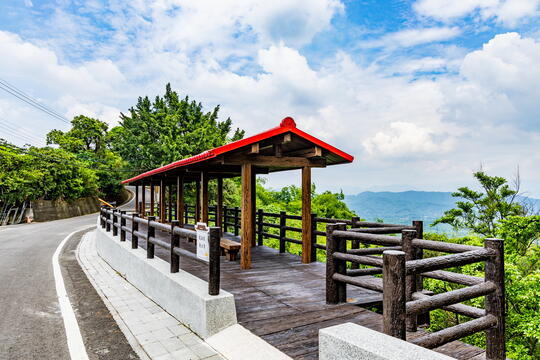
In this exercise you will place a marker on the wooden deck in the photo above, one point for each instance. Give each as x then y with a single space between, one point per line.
283 301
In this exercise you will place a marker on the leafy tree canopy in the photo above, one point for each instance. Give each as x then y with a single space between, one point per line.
86 135
494 212
42 173
168 129
89 140
289 199
480 211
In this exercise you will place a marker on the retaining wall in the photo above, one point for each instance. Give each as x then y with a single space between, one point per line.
47 210
181 294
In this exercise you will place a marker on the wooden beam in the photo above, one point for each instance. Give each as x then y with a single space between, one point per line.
180 200
272 161
278 150
247 218
306 215
254 148
219 203
204 197
310 152
162 192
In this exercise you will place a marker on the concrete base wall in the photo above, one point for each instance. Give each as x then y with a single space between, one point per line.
182 295
48 210
354 342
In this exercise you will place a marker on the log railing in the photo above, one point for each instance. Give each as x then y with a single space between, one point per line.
269 225
405 304
117 221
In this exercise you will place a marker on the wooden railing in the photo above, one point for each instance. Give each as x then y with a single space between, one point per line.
399 259
405 304
264 221
116 220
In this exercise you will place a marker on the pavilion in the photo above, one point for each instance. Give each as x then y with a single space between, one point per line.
284 147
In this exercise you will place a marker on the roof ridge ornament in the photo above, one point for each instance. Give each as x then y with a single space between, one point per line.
288 122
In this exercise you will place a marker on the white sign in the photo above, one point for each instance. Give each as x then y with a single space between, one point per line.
203 247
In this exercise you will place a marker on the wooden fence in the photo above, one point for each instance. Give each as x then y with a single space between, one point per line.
116 220
265 221
399 259
405 304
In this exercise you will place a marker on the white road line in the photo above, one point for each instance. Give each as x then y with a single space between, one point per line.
77 351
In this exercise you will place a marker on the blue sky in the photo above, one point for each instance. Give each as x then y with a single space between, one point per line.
421 92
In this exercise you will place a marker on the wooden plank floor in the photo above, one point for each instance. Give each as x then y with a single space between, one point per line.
283 301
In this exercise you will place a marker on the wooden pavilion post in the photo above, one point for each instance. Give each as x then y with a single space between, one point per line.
136 198
204 197
152 207
247 216
253 207
197 200
180 200
162 192
170 207
219 203
142 210
306 215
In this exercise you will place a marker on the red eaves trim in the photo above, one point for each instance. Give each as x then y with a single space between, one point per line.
286 125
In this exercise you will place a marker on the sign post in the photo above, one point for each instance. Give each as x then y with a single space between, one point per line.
203 246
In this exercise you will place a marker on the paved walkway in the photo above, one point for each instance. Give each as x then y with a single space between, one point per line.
152 332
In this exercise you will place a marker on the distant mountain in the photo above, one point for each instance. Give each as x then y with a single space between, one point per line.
404 207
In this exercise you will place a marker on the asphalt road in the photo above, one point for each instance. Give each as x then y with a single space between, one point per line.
31 324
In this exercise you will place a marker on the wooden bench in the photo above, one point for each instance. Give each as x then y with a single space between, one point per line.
229 248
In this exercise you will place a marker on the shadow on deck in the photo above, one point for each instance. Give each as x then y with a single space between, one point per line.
283 301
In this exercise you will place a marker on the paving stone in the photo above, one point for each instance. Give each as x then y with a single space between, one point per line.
190 339
160 335
184 354
203 350
155 349
173 344
179 330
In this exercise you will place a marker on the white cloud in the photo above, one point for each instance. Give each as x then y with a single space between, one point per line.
443 126
93 88
508 12
444 10
502 83
413 37
402 139
424 64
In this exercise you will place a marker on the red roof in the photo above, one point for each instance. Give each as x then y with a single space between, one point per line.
286 125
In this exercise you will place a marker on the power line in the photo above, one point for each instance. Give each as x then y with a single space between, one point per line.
16 134
8 126
13 90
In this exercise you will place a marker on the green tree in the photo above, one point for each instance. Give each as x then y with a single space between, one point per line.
519 233
89 140
494 212
168 129
480 211
86 135
42 173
